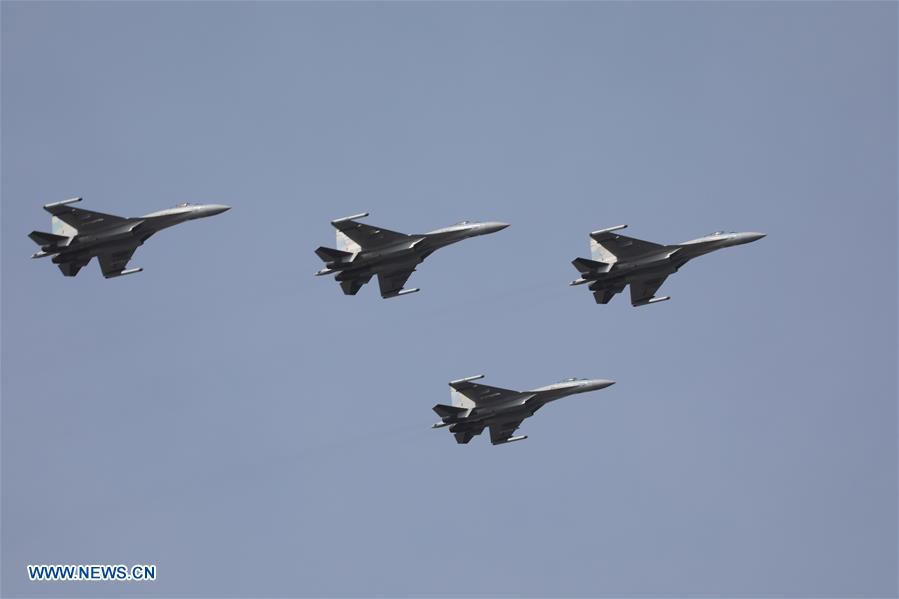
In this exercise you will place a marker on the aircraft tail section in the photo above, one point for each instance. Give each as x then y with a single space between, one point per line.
585 265
460 400
60 227
346 244
445 411
601 253
608 246
330 255
47 239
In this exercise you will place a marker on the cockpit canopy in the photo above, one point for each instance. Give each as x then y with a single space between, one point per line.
718 233
464 222
182 205
571 379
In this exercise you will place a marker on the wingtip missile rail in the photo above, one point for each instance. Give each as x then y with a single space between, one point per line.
128 271
401 292
512 439
608 230
337 221
654 300
467 379
62 203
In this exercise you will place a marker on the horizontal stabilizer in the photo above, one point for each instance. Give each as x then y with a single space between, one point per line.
445 411
585 265
329 255
44 239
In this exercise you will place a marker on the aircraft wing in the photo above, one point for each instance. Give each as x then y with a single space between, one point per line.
645 290
367 236
81 219
481 394
114 262
501 431
620 246
392 282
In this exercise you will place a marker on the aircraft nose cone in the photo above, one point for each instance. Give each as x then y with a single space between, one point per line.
750 237
598 384
213 209
494 227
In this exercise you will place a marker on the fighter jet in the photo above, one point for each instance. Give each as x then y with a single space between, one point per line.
619 261
365 251
79 235
475 406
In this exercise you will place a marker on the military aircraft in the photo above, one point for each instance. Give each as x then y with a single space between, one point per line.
365 251
619 261
79 235
475 406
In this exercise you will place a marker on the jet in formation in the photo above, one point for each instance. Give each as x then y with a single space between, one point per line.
475 406
619 261
79 235
364 251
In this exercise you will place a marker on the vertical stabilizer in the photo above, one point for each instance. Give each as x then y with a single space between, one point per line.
60 227
460 400
346 244
600 253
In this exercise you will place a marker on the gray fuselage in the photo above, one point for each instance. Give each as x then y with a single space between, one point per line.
409 252
667 259
477 406
126 233
529 402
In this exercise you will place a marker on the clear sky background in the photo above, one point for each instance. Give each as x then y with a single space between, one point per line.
250 430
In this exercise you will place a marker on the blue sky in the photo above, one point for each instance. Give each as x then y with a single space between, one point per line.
250 430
